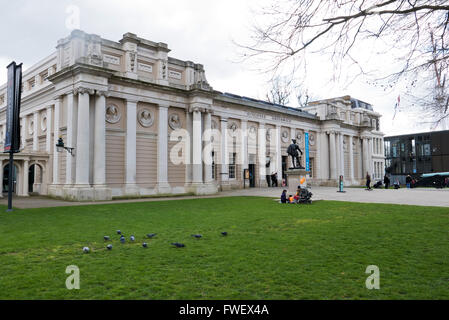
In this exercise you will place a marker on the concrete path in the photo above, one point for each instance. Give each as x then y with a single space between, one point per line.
418 196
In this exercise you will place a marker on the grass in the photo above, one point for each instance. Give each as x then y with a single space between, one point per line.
273 251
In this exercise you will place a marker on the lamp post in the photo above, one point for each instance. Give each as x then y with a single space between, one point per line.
60 147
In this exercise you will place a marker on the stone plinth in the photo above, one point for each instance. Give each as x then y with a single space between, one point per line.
294 177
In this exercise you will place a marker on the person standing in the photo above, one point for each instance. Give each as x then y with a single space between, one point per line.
368 181
408 181
386 182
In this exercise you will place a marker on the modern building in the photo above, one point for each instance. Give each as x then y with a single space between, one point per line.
141 122
416 154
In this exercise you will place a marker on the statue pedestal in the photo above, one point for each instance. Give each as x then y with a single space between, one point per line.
294 177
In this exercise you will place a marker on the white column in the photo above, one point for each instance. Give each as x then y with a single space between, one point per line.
351 160
100 140
69 142
197 167
189 147
261 143
278 154
332 156
365 157
130 153
26 168
56 137
224 151
35 133
162 150
23 133
82 140
342 156
244 144
208 151
1 178
49 128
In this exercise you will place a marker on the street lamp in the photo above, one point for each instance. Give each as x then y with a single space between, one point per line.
60 147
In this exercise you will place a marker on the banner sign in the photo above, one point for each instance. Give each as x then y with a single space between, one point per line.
14 93
306 143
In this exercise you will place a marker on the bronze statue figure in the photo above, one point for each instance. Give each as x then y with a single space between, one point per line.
292 151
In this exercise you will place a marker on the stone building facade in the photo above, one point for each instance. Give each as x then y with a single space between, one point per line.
144 123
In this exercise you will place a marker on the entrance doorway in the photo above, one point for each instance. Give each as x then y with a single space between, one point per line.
284 167
6 178
35 174
252 175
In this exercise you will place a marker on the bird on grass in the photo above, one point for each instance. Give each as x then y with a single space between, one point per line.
224 233
151 235
119 232
122 239
198 236
86 249
178 245
109 246
132 238
106 238
145 245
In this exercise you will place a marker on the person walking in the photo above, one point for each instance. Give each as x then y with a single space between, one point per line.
386 182
408 181
368 181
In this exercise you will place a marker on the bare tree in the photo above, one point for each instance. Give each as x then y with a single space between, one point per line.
280 91
290 30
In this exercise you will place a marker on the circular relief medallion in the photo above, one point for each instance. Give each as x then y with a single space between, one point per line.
284 136
174 121
44 122
269 134
312 139
299 137
345 145
145 117
214 124
252 132
232 128
112 114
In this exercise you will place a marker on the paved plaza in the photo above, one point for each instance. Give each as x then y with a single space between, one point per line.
418 196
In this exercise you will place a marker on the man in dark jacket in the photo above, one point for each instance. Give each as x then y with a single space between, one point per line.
386 181
284 196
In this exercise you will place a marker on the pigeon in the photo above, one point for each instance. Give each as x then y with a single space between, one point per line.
196 236
119 232
109 246
178 245
224 233
151 235
132 238
145 245
122 239
86 249
106 238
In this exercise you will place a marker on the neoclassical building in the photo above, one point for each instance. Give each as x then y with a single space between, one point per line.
141 123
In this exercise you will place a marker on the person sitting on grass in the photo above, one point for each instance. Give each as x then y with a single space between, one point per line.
284 196
296 197
290 199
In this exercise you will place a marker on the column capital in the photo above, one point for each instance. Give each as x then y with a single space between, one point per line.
165 106
223 119
102 93
84 90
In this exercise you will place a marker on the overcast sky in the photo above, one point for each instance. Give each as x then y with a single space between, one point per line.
198 30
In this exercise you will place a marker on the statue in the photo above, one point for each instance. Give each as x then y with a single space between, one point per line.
292 151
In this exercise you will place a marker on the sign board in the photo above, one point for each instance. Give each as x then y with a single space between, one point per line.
246 173
14 93
306 143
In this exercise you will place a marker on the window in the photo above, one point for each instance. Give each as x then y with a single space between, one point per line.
231 169
311 167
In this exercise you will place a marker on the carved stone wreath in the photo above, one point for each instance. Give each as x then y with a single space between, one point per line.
232 129
44 123
113 114
299 137
174 121
345 145
214 125
312 139
284 136
252 132
269 135
145 117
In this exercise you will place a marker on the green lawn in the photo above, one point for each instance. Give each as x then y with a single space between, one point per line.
273 251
